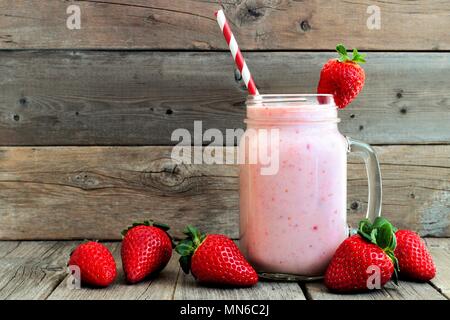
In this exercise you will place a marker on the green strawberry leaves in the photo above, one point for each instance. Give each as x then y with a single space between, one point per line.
149 223
186 247
391 255
382 233
343 55
185 263
358 57
159 225
193 233
364 229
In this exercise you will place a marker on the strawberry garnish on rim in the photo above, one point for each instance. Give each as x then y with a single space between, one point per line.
343 77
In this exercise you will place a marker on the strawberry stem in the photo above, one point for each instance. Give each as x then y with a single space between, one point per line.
149 223
344 57
382 233
186 247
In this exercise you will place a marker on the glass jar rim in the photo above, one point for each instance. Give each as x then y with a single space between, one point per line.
291 109
308 100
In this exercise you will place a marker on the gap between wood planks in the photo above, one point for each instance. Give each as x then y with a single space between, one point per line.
144 50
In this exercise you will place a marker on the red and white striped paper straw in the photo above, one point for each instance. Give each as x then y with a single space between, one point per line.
236 53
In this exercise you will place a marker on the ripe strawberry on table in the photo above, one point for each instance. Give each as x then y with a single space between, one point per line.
214 259
96 263
373 246
343 77
414 260
146 250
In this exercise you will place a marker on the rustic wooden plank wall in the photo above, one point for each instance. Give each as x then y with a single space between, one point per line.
137 70
259 24
62 98
68 192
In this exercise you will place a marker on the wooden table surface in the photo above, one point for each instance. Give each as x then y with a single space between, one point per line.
37 270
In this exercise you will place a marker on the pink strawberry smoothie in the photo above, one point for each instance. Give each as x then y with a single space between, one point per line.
293 221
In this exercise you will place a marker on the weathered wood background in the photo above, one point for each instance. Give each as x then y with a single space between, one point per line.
86 115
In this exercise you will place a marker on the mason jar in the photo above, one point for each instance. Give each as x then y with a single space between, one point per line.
293 184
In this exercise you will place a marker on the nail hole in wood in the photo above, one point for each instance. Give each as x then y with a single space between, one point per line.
305 25
23 101
403 111
169 111
16 117
239 104
237 75
354 205
352 116
254 13
361 127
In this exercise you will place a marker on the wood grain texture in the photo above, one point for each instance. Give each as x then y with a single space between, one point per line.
416 188
161 287
405 291
187 289
140 98
94 192
32 270
258 24
37 270
440 250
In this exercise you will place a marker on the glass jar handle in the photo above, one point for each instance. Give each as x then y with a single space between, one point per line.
373 175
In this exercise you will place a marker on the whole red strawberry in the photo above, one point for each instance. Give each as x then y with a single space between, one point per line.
146 250
359 256
343 77
414 260
96 263
215 259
